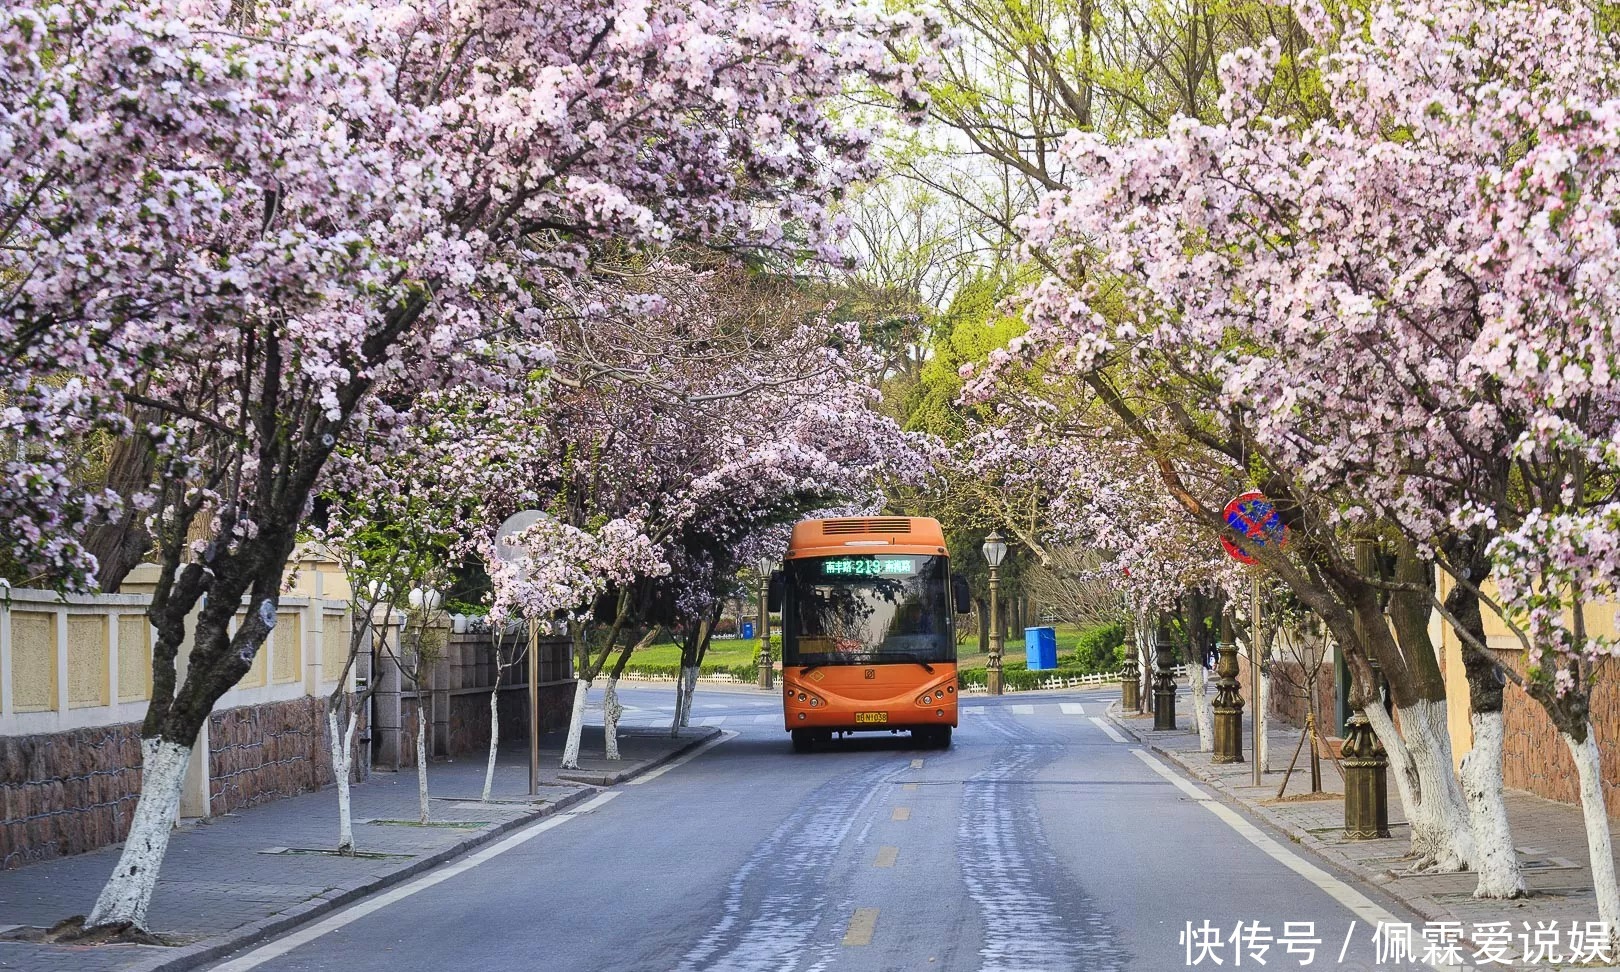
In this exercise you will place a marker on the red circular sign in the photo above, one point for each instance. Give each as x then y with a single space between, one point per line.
1254 516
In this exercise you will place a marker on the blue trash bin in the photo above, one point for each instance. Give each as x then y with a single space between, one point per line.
747 630
1040 649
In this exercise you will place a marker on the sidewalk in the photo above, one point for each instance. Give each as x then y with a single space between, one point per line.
237 878
1550 837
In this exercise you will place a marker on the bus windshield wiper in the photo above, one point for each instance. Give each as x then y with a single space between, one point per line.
908 656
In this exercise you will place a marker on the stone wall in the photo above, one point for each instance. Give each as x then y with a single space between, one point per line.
1289 695
260 753
469 715
67 792
1534 755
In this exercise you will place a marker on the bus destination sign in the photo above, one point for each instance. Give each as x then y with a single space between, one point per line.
867 566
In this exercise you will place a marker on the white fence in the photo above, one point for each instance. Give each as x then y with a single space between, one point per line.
1054 681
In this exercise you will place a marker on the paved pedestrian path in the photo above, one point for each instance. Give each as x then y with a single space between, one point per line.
241 876
1550 837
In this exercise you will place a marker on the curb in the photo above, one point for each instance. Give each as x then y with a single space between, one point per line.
1426 908
212 949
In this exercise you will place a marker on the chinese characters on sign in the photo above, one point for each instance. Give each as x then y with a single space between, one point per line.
1441 943
867 566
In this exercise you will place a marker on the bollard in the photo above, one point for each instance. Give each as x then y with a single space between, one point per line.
1366 785
1130 685
1228 706
1164 683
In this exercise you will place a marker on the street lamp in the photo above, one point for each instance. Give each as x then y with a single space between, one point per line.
763 565
994 549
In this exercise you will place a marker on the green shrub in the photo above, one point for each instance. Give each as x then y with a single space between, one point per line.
1100 649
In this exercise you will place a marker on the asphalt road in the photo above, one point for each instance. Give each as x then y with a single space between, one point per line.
1037 842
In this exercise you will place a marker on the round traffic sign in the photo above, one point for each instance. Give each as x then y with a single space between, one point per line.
1253 516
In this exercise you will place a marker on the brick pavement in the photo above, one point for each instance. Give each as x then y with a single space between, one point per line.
240 876
1550 837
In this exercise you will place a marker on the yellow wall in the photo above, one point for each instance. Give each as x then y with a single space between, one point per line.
33 661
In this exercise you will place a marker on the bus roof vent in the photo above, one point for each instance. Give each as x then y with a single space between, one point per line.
890 524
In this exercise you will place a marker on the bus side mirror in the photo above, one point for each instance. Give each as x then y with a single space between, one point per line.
773 591
960 594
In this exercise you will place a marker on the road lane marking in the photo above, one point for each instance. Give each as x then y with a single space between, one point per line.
1357 903
765 720
1072 708
712 721
1105 727
1022 709
861 926
694 754
972 710
886 857
908 786
901 813
916 764
353 913
1172 776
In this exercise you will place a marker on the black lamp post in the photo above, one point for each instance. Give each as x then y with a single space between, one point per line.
995 549
763 565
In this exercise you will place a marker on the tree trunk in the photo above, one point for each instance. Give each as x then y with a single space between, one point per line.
1599 842
1497 863
1203 716
611 710
128 893
119 545
1495 859
423 812
341 743
494 730
576 725
1262 718
1420 761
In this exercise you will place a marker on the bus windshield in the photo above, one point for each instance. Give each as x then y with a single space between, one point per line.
861 609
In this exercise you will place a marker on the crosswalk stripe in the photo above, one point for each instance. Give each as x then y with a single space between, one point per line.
712 721
1022 709
765 720
1072 708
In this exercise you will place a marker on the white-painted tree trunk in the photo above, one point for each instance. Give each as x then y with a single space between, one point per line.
1203 715
341 762
494 738
1599 841
128 892
689 675
611 710
1498 865
421 765
680 700
1262 721
1420 761
576 725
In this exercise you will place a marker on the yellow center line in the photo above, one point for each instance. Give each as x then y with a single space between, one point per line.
861 926
916 764
886 857
908 786
901 813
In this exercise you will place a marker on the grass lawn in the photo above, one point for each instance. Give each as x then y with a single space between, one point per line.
722 651
740 651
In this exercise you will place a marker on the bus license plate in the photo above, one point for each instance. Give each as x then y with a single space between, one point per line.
871 717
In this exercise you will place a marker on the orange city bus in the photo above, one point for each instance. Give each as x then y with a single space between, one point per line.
868 630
